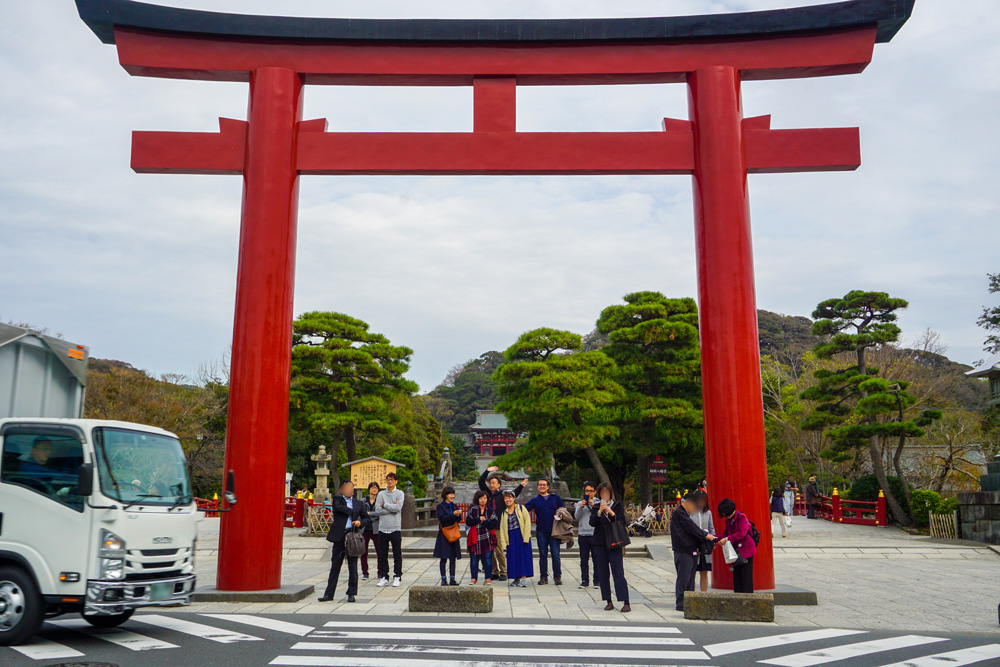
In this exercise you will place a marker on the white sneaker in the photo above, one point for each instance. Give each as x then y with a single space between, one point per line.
396 581
382 582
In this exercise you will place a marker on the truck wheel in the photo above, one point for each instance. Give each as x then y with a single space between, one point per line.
109 620
21 606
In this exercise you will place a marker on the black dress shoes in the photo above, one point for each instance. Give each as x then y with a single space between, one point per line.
325 599
350 598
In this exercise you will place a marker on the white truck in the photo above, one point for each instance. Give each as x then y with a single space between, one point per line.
96 517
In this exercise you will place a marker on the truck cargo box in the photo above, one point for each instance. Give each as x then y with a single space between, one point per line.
40 376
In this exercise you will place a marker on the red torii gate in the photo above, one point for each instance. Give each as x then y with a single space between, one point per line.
713 55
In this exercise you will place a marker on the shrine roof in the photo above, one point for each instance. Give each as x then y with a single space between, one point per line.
103 16
489 420
988 369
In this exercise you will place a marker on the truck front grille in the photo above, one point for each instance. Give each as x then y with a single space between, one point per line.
150 576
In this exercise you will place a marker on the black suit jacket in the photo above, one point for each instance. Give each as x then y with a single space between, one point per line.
340 513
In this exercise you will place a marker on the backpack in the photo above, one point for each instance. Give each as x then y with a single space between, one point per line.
754 533
354 543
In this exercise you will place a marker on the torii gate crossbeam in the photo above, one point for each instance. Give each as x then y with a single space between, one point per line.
713 55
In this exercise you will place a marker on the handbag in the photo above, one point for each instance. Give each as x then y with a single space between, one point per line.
617 536
788 522
354 543
452 533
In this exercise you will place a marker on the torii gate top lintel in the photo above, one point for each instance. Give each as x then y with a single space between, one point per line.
716 145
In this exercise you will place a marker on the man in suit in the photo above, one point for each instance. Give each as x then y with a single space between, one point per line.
686 539
348 514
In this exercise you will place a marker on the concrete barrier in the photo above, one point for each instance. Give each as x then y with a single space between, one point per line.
726 606
452 599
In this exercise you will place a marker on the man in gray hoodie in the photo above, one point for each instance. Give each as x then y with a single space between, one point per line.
388 506
586 534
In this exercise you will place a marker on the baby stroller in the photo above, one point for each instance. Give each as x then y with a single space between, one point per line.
640 526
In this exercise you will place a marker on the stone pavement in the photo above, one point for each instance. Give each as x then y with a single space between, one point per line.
865 578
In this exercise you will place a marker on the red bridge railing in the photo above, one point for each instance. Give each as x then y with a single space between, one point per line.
840 510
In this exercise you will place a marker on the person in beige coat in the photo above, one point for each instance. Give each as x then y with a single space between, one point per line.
514 538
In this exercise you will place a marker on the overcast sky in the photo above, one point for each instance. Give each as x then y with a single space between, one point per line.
142 267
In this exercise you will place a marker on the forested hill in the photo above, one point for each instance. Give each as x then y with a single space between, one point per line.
785 338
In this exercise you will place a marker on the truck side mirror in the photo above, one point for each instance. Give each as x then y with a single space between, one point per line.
85 483
230 493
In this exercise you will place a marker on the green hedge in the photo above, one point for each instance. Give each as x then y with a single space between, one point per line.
866 488
922 503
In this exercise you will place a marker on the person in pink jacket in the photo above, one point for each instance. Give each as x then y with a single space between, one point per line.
738 532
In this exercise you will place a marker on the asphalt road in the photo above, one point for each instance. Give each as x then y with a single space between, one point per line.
178 639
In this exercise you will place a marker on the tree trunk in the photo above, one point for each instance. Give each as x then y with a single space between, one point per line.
350 441
596 464
890 500
898 454
645 487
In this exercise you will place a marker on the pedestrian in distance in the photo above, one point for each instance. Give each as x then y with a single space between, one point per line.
449 551
740 532
791 488
371 530
778 510
388 508
481 540
492 486
586 535
703 518
348 514
686 540
544 505
606 511
514 538
812 497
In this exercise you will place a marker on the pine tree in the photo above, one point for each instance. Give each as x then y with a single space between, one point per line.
856 407
345 378
654 343
990 319
555 392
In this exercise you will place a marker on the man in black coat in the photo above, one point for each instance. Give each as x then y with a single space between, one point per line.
496 500
686 539
348 514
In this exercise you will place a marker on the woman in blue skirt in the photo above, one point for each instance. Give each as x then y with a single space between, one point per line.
515 539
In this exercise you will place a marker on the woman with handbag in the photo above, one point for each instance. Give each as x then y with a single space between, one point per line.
448 546
740 532
514 538
703 519
482 538
346 528
371 530
607 516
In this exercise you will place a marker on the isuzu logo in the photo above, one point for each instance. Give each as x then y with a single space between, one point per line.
162 540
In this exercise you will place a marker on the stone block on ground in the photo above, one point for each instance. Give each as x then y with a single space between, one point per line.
452 599
726 606
292 593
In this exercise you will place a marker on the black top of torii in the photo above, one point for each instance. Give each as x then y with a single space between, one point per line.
104 15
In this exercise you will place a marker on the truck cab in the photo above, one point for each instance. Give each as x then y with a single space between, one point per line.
96 517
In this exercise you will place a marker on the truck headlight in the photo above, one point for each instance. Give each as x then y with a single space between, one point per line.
111 557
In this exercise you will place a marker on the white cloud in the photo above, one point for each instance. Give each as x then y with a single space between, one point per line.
142 267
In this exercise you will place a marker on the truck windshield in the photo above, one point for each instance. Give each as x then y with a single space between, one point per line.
141 468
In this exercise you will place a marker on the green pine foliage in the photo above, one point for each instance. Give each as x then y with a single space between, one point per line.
653 342
345 379
556 393
990 319
855 408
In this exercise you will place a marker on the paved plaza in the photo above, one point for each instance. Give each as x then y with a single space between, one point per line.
865 578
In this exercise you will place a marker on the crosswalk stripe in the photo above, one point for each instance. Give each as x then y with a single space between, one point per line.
726 648
514 627
195 629
130 640
503 652
266 623
823 656
965 656
46 649
339 661
502 637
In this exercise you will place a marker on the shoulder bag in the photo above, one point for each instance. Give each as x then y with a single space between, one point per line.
354 542
452 533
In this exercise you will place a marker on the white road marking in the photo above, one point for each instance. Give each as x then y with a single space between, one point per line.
44 649
336 661
513 627
639 657
130 640
266 623
823 656
726 648
195 629
965 656
500 637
